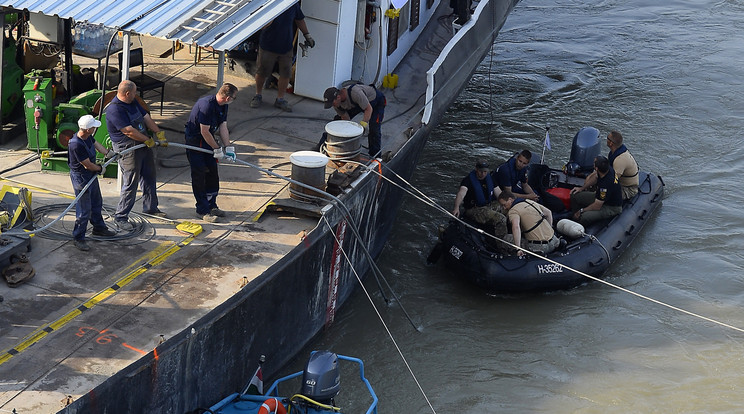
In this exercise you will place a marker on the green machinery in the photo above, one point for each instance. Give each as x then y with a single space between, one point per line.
49 128
12 79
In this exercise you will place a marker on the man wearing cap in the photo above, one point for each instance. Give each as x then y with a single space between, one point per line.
208 117
477 194
357 98
81 159
127 123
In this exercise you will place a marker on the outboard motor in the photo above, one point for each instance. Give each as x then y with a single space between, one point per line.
321 380
586 145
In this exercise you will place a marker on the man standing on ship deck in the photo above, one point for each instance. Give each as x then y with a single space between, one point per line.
276 46
127 123
209 116
82 156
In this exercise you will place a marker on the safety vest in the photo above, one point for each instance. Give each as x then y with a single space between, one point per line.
480 198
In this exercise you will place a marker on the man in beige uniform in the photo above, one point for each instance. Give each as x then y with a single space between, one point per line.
625 166
531 220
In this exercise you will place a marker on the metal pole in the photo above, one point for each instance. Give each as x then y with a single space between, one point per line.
67 39
125 56
221 68
2 64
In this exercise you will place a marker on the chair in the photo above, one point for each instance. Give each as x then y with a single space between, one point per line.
143 82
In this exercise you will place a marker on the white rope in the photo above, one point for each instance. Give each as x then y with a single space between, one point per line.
379 316
428 201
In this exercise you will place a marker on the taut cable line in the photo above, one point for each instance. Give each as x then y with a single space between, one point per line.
420 196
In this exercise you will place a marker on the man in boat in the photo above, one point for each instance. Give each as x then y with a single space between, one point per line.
530 220
365 99
276 46
605 202
477 194
511 176
625 166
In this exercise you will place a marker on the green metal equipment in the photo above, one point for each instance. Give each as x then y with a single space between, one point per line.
49 128
12 79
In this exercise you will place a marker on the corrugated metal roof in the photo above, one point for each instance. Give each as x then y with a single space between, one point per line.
221 24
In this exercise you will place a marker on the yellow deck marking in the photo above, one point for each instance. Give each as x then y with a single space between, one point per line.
154 258
41 189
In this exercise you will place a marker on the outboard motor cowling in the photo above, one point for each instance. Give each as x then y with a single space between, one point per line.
321 380
585 147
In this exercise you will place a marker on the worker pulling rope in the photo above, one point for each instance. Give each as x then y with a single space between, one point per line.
322 195
82 192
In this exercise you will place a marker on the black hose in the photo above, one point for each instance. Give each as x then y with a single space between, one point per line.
28 160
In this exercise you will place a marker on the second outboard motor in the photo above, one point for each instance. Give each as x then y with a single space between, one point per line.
321 380
586 145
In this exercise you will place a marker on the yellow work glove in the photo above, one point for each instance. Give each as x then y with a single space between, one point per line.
160 135
365 126
150 143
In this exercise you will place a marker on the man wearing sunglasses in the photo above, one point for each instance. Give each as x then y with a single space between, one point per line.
207 119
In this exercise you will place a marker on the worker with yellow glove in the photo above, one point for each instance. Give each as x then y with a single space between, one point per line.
127 123
357 98
160 135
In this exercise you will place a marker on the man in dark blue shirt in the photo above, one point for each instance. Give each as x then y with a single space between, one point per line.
209 116
276 46
605 202
81 159
127 123
512 176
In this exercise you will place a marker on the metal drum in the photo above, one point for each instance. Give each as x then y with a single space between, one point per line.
308 167
343 139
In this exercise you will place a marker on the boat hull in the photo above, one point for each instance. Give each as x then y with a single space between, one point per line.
281 311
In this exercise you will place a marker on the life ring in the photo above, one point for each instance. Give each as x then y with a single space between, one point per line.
272 406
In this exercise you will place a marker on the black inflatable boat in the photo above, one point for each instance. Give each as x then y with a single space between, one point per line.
473 256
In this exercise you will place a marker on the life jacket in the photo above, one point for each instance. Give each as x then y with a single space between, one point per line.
480 198
612 155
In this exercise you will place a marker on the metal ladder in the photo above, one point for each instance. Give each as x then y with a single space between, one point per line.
213 14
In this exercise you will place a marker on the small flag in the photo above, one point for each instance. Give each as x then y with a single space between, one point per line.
547 139
256 385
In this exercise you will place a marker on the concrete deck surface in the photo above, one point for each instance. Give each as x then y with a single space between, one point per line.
86 315
62 348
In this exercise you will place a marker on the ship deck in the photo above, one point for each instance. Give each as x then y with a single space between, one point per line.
87 315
